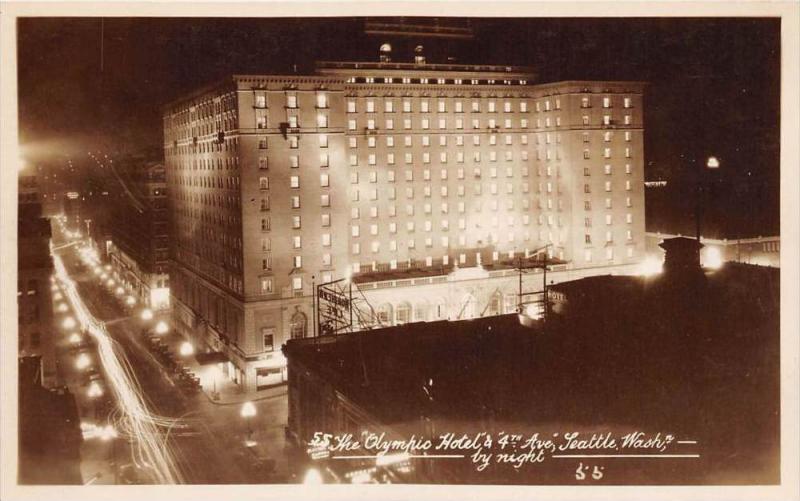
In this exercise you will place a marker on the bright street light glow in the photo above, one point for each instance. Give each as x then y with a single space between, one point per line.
103 276
110 283
187 348
713 163
248 410
75 338
651 266
533 311
94 390
120 291
68 323
108 432
161 327
312 477
57 296
82 361
147 314
130 300
713 258
62 307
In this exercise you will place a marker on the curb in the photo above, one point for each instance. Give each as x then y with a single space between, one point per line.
265 397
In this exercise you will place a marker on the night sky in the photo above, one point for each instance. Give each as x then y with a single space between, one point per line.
714 88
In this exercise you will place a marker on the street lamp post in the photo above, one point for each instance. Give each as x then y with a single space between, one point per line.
711 163
247 412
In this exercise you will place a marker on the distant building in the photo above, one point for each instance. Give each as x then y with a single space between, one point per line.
395 174
762 251
139 251
34 269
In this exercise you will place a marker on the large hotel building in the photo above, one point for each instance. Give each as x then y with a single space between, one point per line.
420 181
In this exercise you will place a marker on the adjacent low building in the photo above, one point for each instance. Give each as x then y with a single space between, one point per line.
696 358
762 251
139 251
34 270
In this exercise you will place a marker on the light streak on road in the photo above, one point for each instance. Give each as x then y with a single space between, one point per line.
149 445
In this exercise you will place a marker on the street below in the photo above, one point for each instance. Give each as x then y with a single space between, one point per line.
196 440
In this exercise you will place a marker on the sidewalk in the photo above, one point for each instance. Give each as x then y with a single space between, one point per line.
212 381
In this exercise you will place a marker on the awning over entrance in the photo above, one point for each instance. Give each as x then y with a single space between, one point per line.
213 357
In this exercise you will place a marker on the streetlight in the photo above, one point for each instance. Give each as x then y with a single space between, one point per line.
94 390
75 338
147 314
68 323
248 411
130 300
82 361
110 283
187 349
62 307
120 291
312 477
712 163
161 327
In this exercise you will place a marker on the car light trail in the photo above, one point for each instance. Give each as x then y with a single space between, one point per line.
149 447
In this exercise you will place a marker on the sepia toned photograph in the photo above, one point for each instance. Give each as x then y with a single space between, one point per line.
382 249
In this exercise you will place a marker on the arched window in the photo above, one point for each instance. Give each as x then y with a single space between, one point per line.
466 308
402 314
421 312
440 310
297 326
495 304
385 314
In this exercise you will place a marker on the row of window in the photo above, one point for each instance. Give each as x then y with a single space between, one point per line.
474 105
425 140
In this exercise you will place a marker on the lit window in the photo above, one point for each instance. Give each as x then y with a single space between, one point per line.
294 181
351 106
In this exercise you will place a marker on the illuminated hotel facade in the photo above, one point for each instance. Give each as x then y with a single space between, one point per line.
417 180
